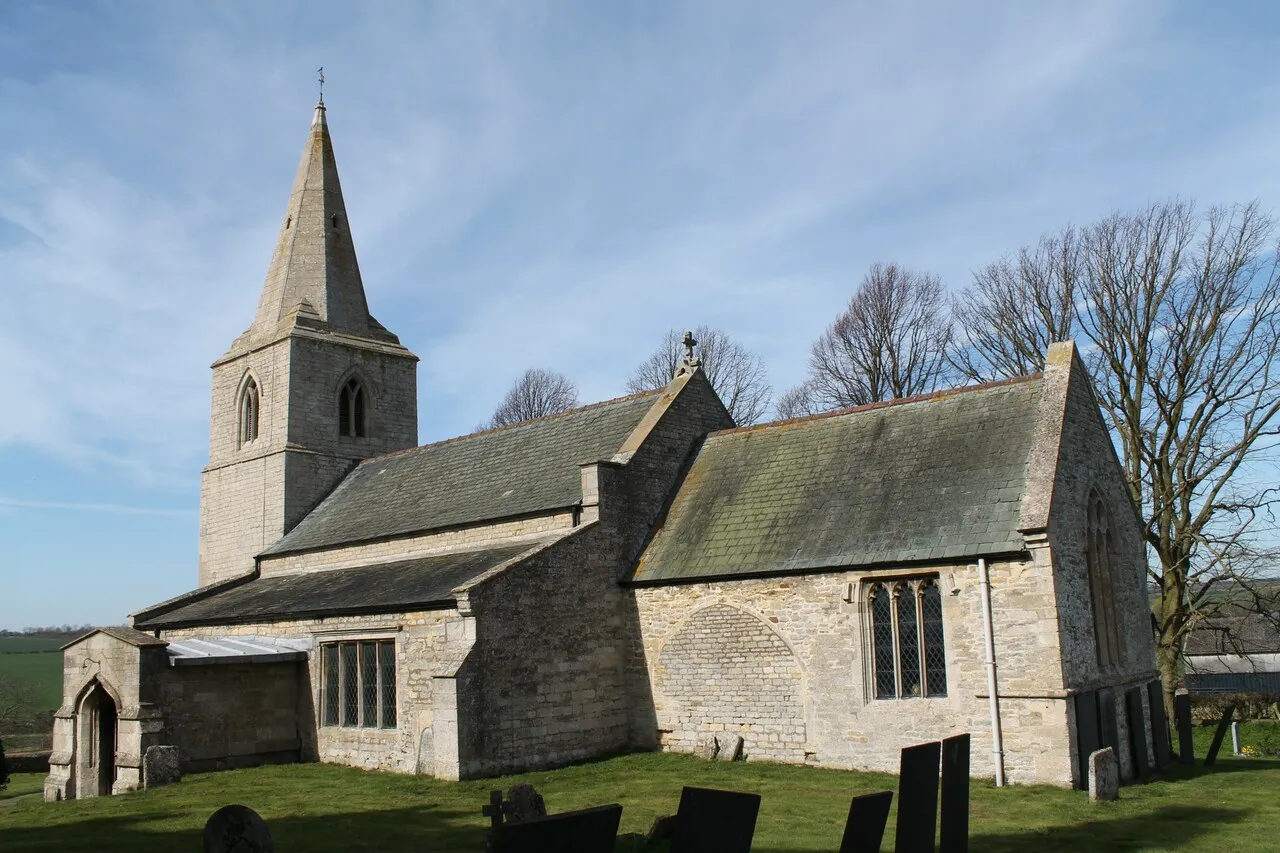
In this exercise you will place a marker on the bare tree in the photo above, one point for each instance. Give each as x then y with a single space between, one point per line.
1181 313
737 374
798 402
892 341
1017 306
534 395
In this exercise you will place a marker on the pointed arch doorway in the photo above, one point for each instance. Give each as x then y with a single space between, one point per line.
97 733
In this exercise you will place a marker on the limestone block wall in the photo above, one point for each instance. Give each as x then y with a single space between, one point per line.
799 645
544 684
406 547
224 716
429 646
241 512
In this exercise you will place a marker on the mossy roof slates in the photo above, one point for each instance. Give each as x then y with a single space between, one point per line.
386 587
941 477
518 470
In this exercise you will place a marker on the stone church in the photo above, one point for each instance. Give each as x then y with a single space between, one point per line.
635 574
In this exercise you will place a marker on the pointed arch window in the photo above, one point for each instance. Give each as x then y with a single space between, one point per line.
1100 557
908 658
352 415
250 411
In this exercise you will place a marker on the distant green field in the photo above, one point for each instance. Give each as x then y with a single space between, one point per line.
44 669
30 644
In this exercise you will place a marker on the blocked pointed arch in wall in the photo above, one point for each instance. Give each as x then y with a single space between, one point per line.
725 672
1101 557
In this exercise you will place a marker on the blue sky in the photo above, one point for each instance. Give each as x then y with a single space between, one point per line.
532 184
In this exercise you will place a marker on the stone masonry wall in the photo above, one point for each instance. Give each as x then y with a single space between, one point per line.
428 643
826 635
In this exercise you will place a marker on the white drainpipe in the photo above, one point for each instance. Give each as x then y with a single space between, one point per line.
997 738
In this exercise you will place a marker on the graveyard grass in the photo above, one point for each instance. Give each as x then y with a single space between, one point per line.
316 807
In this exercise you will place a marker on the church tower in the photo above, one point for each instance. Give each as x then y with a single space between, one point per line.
314 385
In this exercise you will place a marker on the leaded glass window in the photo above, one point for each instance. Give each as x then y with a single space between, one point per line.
358 686
908 658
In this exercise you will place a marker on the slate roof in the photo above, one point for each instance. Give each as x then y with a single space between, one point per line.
1250 634
517 470
936 478
385 588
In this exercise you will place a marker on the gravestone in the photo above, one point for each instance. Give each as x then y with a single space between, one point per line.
953 832
523 803
1223 725
730 749
1104 776
1182 717
709 748
1159 724
864 827
918 798
586 831
1137 732
160 766
1088 738
723 821
236 829
426 765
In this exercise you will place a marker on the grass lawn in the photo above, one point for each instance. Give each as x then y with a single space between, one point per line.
22 783
316 807
30 644
41 668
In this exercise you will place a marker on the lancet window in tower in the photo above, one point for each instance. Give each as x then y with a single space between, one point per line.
1099 555
352 419
250 412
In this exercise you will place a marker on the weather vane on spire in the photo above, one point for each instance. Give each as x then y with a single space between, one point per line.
320 71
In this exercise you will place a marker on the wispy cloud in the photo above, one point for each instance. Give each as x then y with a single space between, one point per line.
109 508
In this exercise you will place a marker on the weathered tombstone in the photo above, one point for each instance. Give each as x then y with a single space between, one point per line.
236 829
524 803
1104 776
586 831
664 826
1223 725
709 748
1088 738
953 832
730 749
426 765
918 798
1137 732
864 828
1182 713
1235 737
723 821
160 766
1159 724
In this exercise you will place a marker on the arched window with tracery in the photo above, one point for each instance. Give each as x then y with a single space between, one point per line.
250 411
1100 558
352 421
908 658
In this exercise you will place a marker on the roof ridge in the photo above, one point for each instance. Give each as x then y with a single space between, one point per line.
884 404
506 427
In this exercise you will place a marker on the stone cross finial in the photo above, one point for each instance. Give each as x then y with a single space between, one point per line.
689 343
690 361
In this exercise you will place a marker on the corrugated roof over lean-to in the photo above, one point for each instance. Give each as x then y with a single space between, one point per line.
517 470
935 479
387 587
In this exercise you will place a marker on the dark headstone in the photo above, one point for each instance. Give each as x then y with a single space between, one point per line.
523 803
586 831
160 766
1182 717
1137 732
711 820
1088 736
1223 725
664 826
237 829
1159 725
864 828
918 798
953 832
1108 723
